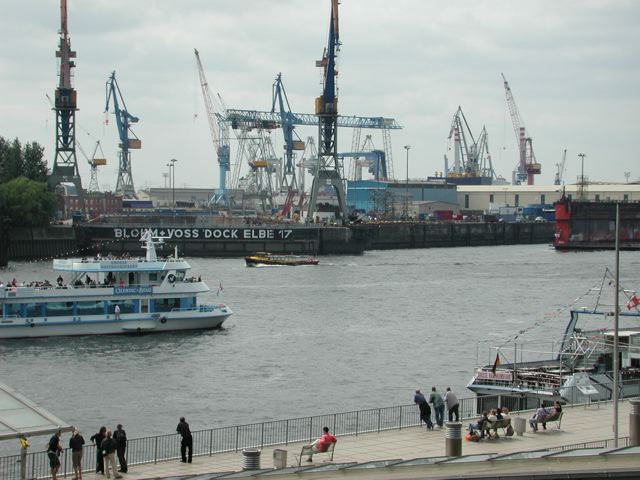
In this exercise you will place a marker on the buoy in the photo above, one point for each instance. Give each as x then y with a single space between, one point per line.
163 319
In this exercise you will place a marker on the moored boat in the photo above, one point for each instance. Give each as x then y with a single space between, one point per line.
582 368
264 258
107 295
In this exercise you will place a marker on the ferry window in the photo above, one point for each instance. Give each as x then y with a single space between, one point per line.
58 309
597 197
167 304
491 198
34 310
569 196
126 306
625 198
466 201
542 198
153 277
189 302
13 310
90 308
180 275
517 200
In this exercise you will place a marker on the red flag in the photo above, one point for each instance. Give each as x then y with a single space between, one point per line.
633 302
496 364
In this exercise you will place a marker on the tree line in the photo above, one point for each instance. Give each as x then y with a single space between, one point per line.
25 200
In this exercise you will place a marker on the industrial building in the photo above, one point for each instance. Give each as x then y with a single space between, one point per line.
482 198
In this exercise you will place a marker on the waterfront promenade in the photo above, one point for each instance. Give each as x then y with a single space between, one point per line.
580 424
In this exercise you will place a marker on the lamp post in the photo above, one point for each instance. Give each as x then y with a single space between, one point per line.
172 179
406 199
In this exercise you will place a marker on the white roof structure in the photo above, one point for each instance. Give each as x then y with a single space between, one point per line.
20 416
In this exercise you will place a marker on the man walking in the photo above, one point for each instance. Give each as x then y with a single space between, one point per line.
120 436
187 439
438 406
452 404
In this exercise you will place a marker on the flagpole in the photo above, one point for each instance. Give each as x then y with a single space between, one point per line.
616 366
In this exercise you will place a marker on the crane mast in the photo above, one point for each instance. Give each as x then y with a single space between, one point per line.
289 183
329 167
124 119
560 169
219 136
527 166
65 165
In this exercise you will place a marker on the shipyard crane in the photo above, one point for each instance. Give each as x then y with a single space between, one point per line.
288 183
94 162
219 136
329 166
65 164
471 156
560 169
124 119
527 166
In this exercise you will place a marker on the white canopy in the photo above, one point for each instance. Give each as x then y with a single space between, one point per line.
20 416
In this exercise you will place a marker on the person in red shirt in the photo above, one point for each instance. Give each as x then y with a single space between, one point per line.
322 444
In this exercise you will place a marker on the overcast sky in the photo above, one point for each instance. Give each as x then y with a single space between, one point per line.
573 67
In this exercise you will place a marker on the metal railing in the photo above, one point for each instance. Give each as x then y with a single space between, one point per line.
160 448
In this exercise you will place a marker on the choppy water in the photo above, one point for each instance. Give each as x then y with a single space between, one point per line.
354 332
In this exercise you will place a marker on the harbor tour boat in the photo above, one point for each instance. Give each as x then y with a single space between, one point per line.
106 295
263 258
581 369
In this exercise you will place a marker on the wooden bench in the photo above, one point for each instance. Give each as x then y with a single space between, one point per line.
556 417
306 451
504 423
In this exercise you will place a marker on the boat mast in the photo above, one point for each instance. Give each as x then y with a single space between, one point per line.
616 366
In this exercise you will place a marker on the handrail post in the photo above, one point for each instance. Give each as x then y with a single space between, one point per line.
262 435
334 423
237 436
286 433
400 418
357 421
379 411
210 442
155 451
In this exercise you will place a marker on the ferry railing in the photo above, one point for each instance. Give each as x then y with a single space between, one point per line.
208 442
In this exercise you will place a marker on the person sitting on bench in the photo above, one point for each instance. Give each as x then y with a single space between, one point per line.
321 444
539 417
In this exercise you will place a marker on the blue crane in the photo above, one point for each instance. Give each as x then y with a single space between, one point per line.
288 183
124 119
329 166
219 135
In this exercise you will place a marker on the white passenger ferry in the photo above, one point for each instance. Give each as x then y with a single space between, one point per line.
105 295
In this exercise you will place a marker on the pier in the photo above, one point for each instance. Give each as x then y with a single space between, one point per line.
583 427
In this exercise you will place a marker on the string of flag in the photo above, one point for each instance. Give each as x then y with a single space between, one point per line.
71 253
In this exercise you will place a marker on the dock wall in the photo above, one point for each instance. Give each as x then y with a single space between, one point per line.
62 241
452 234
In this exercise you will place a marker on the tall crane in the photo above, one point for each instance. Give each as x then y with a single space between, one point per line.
560 169
289 183
65 164
220 137
124 119
329 167
527 166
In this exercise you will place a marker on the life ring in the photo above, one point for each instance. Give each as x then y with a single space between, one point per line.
171 278
163 319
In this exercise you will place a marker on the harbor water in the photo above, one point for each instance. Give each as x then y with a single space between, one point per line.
354 332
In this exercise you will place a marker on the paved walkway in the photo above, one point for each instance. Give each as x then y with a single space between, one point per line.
579 424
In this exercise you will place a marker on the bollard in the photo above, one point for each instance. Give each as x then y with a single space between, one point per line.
519 425
634 422
251 459
279 458
453 439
